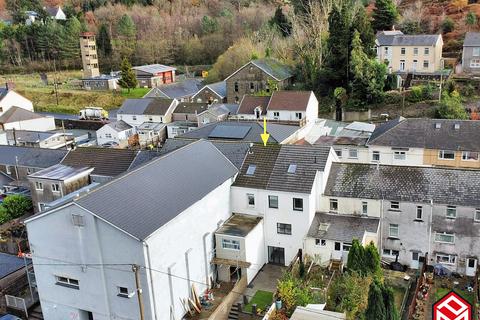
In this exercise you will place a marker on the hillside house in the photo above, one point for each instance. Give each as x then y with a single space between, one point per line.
55 182
55 13
154 75
255 76
410 54
212 93
119 132
137 111
102 219
471 53
188 111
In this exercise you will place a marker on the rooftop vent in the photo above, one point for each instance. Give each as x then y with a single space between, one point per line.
323 227
438 125
251 170
456 126
292 168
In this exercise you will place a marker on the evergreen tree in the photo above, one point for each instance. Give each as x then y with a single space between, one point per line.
372 260
356 258
385 15
363 25
104 43
391 312
280 20
471 19
127 80
126 36
376 307
451 106
70 46
126 27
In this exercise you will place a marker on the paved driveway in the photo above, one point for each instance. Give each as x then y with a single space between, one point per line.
266 279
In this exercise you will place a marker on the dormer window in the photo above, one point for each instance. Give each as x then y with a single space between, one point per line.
251 170
292 168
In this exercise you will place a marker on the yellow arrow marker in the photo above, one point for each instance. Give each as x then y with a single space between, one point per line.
265 135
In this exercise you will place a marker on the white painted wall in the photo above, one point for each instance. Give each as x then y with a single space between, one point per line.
115 135
310 113
13 99
414 156
255 250
39 124
351 206
136 120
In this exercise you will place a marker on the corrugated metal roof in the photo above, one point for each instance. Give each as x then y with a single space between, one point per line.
154 68
141 201
60 172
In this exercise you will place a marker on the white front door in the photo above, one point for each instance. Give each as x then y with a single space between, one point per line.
414 262
402 65
471 267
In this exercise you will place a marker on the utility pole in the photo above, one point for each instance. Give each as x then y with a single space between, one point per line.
135 269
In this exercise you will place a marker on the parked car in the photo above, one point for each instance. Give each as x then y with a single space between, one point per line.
110 144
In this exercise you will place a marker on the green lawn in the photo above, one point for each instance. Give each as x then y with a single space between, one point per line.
135 93
440 292
261 299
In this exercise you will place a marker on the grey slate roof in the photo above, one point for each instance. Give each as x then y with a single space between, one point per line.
146 106
219 88
30 157
222 109
15 114
278 132
274 68
234 151
407 40
341 227
421 133
10 263
272 163
154 68
192 172
190 107
3 92
472 39
404 183
31 136
60 172
119 126
143 156
176 90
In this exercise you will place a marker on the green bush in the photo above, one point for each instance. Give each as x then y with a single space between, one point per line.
4 216
17 205
448 25
416 94
468 90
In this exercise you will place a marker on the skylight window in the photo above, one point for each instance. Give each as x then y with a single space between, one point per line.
292 168
251 170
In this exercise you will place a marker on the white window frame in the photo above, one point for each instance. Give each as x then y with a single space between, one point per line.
285 227
438 236
426 51
38 186
56 187
419 210
231 244
332 204
476 51
108 135
415 51
426 64
375 156
364 207
320 242
338 153
352 153
467 154
390 253
449 210
272 197
394 234
67 282
297 208
251 196
402 65
442 153
403 51
400 155
394 205
476 215
452 259
122 294
475 63
298 115
78 220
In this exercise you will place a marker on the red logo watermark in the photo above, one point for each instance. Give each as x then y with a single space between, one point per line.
452 307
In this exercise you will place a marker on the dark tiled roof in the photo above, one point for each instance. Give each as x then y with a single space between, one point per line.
384 127
340 227
407 40
249 103
147 106
404 183
191 107
3 92
30 157
289 100
143 156
141 201
472 39
105 161
274 68
422 133
272 166
15 114
10 263
119 125
264 159
278 132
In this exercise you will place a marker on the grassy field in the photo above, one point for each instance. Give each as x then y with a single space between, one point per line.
261 299
71 98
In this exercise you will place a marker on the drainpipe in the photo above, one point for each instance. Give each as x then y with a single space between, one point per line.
430 230
151 286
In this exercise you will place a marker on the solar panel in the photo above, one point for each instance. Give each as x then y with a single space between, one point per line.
229 132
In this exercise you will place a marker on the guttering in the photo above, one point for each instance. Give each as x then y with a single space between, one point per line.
152 290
